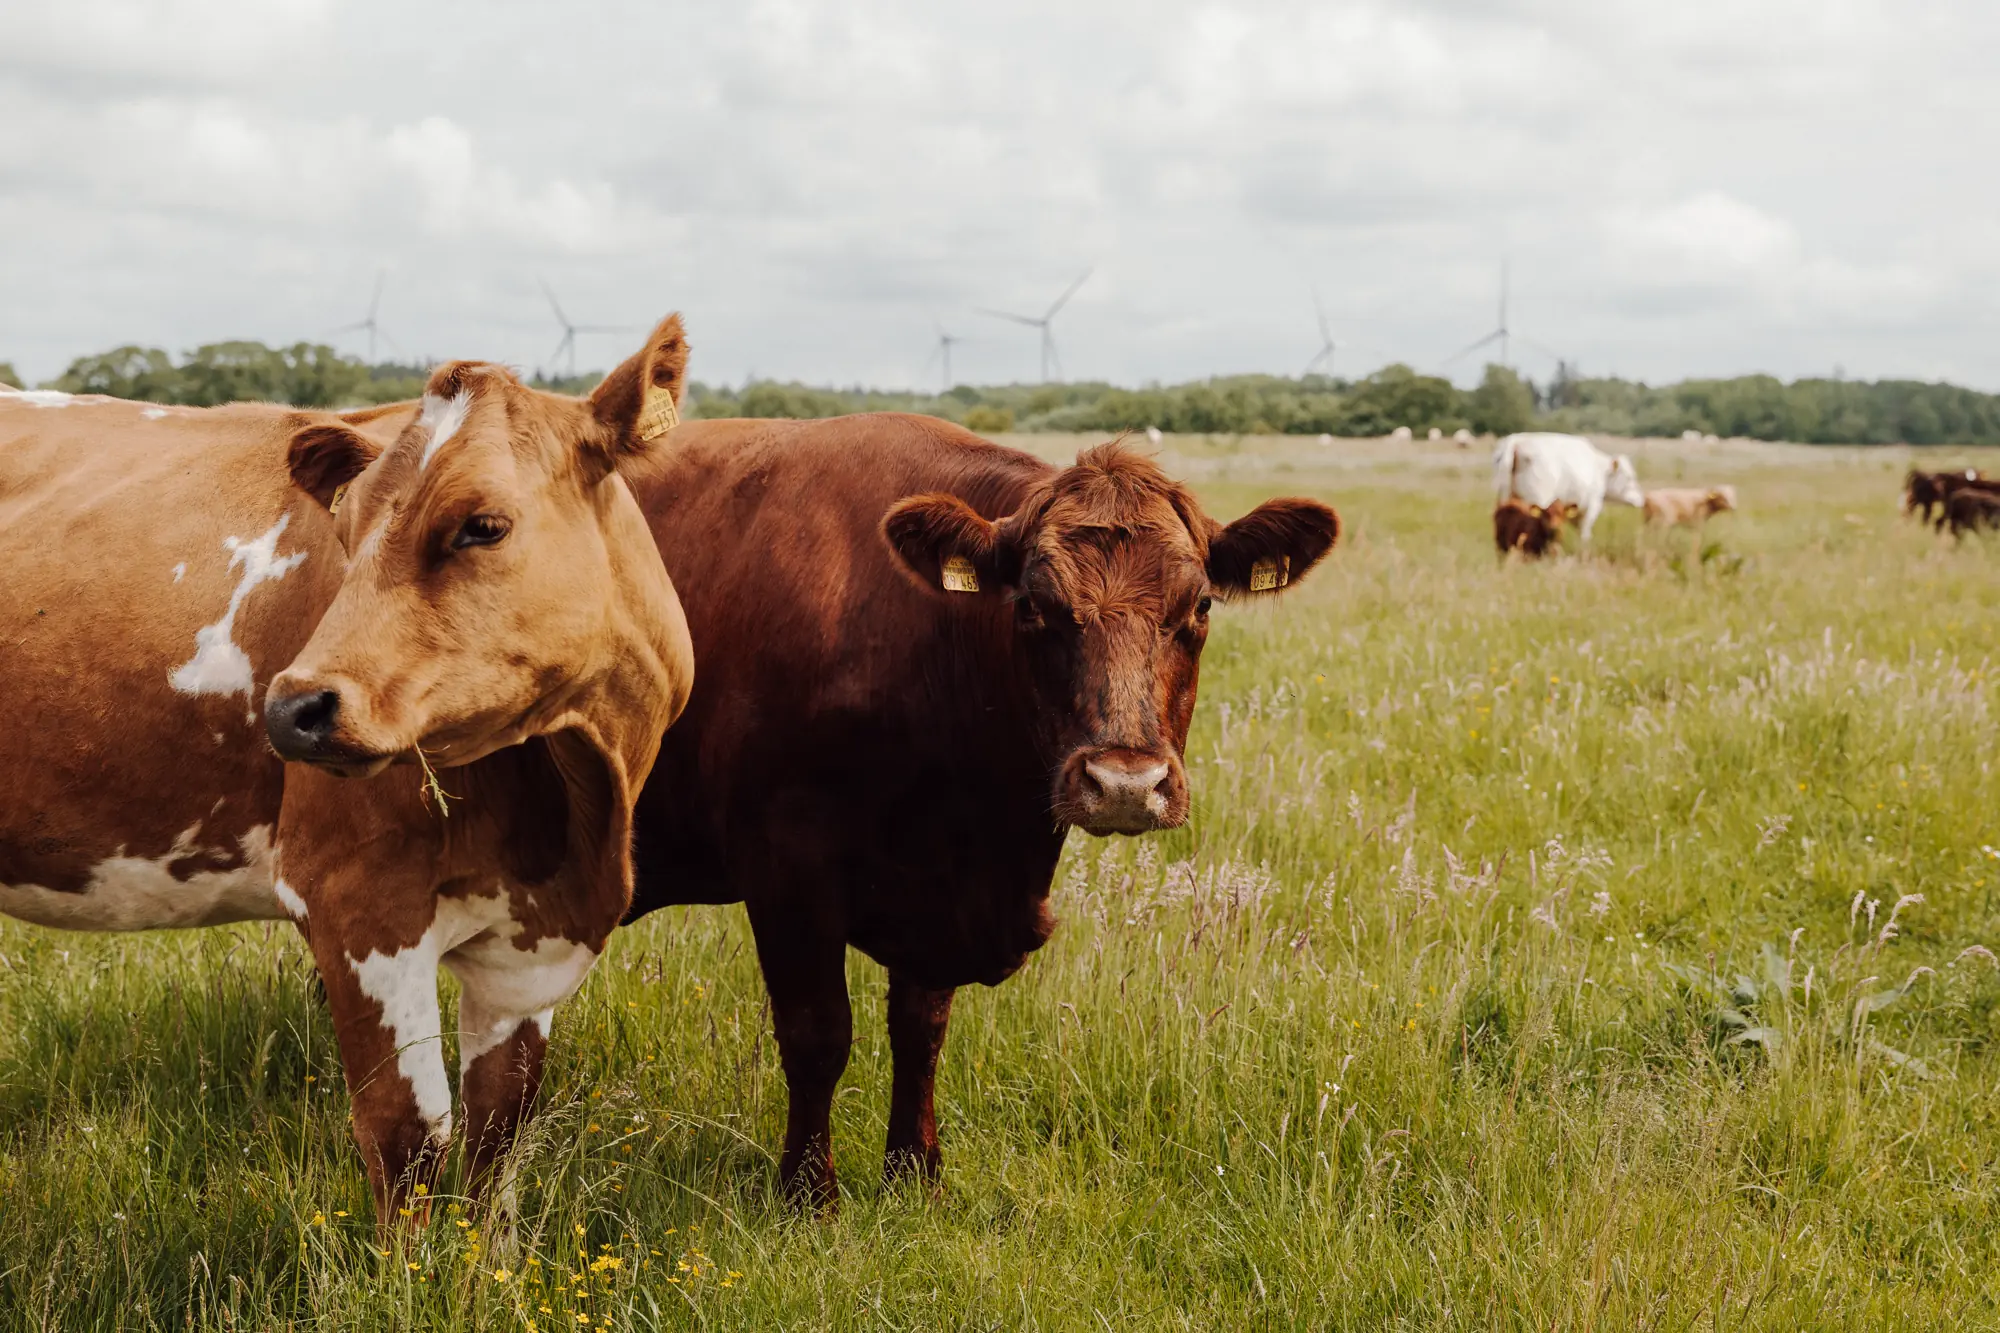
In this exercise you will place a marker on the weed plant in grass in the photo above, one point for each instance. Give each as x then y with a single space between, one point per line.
1597 944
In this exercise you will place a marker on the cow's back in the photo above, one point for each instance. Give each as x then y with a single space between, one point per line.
154 563
842 716
1543 467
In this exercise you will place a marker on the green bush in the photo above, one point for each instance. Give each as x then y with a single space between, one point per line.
989 420
1502 404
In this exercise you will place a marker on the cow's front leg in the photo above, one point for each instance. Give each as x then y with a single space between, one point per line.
805 973
917 1020
1590 513
385 1013
506 1003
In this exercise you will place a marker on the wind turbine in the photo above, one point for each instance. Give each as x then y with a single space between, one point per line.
568 343
1042 322
374 305
1326 343
943 351
1501 334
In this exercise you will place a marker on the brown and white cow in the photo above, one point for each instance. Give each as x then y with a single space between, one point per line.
924 659
473 614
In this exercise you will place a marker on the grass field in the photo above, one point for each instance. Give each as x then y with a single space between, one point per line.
1593 945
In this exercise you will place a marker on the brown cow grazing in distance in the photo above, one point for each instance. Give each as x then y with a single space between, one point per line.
1950 484
924 658
1532 530
1921 492
472 609
1970 509
1688 506
1519 527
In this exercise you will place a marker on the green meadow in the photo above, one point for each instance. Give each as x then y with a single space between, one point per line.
1600 944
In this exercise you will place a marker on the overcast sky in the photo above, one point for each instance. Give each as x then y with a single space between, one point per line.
1688 188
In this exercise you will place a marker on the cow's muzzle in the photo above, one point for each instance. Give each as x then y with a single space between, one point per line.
1114 790
304 726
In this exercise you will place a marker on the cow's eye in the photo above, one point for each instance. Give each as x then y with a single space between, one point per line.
480 530
1201 607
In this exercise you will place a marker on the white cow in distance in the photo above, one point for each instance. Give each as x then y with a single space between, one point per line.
1543 468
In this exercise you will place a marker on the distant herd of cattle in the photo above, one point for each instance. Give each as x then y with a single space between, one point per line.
1965 501
468 682
1543 481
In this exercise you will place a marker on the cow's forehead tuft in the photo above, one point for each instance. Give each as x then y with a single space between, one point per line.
1114 487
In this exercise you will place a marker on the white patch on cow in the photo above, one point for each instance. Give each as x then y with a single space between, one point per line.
38 397
502 986
153 413
180 571
404 983
289 896
218 665
443 417
140 893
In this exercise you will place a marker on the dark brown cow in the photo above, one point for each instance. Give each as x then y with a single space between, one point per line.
1524 528
1921 493
472 607
1952 484
1970 509
924 657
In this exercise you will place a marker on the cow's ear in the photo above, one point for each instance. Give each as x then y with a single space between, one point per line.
1272 546
946 546
325 457
640 401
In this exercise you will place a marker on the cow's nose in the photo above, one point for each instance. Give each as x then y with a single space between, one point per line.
1124 792
301 724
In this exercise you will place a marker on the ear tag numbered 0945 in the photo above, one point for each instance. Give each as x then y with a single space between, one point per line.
1270 575
959 575
658 415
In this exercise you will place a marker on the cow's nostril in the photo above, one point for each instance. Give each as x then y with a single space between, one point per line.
299 724
315 716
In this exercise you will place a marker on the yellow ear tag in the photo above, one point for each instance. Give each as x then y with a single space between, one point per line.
339 494
658 415
959 575
1267 575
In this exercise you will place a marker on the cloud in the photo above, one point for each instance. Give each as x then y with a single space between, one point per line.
1695 188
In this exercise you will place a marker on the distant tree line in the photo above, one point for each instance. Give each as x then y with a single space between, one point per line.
1757 406
304 375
